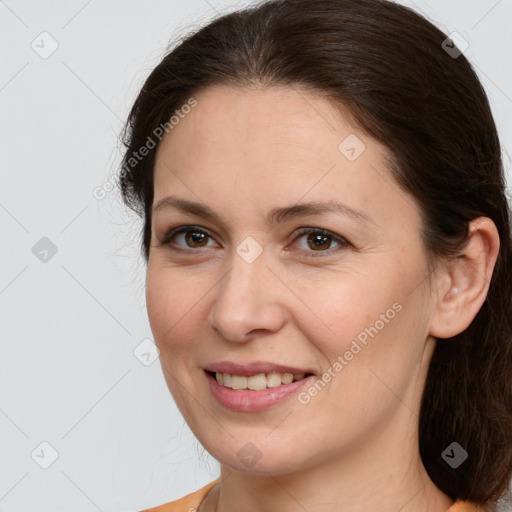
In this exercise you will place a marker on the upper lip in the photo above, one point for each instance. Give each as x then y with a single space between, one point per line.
253 368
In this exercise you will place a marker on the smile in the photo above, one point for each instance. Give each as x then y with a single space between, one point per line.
256 382
253 393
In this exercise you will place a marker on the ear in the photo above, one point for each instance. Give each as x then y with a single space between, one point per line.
463 283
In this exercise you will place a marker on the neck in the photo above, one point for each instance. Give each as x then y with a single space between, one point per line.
382 473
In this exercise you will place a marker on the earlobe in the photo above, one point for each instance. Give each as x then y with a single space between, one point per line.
464 281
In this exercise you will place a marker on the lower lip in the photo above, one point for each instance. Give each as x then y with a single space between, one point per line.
246 400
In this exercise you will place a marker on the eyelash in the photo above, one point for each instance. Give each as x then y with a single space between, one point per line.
343 243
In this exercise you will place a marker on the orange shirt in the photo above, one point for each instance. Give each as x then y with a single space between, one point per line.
191 502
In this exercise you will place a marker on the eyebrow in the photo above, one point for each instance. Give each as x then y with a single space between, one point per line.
275 216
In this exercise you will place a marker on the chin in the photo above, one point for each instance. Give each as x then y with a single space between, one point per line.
254 459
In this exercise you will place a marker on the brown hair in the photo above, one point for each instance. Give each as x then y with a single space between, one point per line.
389 67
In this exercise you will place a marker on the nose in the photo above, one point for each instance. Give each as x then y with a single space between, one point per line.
247 301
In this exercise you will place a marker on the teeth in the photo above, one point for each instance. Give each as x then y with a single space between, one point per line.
238 382
256 382
287 378
273 380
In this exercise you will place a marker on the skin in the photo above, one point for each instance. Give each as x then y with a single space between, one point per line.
243 152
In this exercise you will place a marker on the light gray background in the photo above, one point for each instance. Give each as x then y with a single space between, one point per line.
69 326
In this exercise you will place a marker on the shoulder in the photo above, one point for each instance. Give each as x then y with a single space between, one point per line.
188 502
191 502
466 506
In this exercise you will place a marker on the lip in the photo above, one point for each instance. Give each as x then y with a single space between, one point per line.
253 368
246 400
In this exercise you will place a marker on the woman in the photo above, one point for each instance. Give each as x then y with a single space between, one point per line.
328 253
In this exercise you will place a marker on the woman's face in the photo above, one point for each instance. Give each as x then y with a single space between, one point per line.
351 305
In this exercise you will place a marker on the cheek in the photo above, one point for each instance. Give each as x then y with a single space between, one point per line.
381 351
173 302
371 321
343 307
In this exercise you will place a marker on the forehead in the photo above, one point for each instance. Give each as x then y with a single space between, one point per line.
275 116
272 129
261 144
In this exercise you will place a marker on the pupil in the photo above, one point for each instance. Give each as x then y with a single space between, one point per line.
196 237
319 238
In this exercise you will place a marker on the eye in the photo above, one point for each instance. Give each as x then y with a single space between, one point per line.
193 237
320 240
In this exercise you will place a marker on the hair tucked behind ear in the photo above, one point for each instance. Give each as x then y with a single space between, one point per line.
387 65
